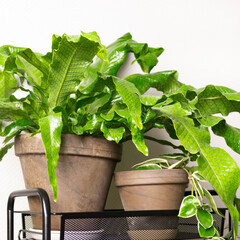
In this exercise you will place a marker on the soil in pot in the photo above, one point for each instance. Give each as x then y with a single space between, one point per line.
84 172
152 190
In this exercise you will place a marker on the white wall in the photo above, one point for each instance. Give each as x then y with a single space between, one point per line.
201 40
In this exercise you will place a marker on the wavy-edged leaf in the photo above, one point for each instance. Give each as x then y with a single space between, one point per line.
51 129
130 97
213 99
231 135
165 81
24 63
65 75
116 55
112 134
146 57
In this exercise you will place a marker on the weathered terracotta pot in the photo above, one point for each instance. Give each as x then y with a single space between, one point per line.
84 172
152 190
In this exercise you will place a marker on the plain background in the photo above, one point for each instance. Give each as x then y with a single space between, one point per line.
201 39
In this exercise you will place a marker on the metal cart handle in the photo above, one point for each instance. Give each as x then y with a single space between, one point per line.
46 219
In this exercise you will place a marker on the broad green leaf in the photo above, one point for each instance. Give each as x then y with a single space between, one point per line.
4 150
188 207
230 134
112 134
212 100
51 129
206 233
204 218
165 81
66 75
130 97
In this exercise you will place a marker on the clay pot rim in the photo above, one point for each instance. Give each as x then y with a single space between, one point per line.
84 147
150 176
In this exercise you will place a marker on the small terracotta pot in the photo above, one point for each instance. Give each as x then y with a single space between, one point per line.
151 189
84 172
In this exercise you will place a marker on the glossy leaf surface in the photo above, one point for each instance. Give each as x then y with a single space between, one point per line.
51 129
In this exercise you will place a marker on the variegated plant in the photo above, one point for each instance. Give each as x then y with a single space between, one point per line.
75 89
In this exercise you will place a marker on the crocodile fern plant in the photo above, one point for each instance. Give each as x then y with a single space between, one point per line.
75 89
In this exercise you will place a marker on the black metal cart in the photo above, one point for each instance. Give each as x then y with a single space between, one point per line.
106 225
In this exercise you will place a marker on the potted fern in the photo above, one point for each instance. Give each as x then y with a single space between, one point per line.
73 112
74 90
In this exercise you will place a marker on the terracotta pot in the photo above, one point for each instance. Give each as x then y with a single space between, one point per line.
152 190
84 172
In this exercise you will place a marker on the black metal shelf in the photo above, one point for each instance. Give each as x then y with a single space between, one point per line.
107 225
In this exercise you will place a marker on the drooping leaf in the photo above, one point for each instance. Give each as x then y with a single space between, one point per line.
138 139
51 129
211 201
215 164
4 150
